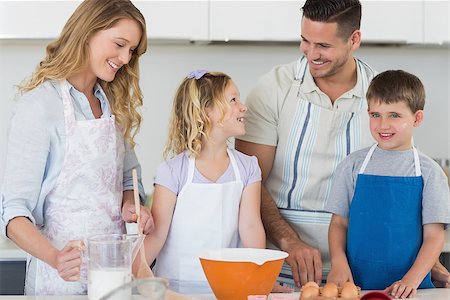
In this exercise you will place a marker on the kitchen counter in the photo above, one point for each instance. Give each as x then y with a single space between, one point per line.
429 294
10 252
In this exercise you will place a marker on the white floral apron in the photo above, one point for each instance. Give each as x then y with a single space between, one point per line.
86 198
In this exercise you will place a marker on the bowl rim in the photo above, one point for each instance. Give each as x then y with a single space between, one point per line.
243 255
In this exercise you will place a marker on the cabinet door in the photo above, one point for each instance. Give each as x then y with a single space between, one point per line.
255 20
183 20
436 22
392 21
34 19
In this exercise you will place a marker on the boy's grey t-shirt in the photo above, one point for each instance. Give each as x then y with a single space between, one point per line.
435 201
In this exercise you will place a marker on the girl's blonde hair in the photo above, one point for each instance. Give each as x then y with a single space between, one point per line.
189 122
68 55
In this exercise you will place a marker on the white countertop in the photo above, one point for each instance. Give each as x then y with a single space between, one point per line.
429 294
10 252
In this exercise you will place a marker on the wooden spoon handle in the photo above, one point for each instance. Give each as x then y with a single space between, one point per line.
137 203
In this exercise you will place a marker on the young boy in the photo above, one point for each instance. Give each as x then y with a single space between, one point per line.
390 202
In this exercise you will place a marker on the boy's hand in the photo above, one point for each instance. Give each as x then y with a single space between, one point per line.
402 289
340 274
129 215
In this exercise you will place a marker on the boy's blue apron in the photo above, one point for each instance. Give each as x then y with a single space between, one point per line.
385 227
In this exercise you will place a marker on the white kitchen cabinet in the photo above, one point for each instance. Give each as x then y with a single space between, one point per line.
179 20
255 20
407 21
436 22
176 20
382 21
34 19
392 21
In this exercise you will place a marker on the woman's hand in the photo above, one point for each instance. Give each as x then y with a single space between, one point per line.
68 261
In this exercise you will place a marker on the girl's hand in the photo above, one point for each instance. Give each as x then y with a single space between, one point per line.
146 223
68 261
402 289
340 274
129 216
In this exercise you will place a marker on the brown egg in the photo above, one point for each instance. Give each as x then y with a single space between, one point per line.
309 292
349 291
311 283
330 290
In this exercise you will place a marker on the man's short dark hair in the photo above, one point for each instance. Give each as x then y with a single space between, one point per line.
346 13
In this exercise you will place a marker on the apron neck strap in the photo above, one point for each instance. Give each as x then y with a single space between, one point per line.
233 162
372 149
301 68
416 162
191 167
69 112
366 160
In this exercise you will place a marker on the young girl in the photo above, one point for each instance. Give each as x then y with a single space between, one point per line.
206 196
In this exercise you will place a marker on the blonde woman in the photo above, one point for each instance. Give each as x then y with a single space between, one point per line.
69 159
206 195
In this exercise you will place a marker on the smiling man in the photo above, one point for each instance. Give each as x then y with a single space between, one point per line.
303 119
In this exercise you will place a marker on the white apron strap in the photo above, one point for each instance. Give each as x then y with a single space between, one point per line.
237 174
372 149
417 162
366 160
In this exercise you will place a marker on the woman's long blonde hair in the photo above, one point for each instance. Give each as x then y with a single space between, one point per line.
68 55
190 122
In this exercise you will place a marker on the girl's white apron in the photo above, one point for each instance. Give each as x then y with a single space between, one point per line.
206 217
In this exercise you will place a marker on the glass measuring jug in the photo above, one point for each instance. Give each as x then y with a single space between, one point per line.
152 288
109 260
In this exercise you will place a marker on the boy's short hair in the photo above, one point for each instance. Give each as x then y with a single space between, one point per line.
346 13
394 86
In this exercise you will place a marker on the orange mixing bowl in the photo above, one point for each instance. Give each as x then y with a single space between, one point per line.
235 273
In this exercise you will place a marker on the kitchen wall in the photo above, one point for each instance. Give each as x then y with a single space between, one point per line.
165 64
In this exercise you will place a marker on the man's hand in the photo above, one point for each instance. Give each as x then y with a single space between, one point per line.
305 262
129 215
440 275
68 261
